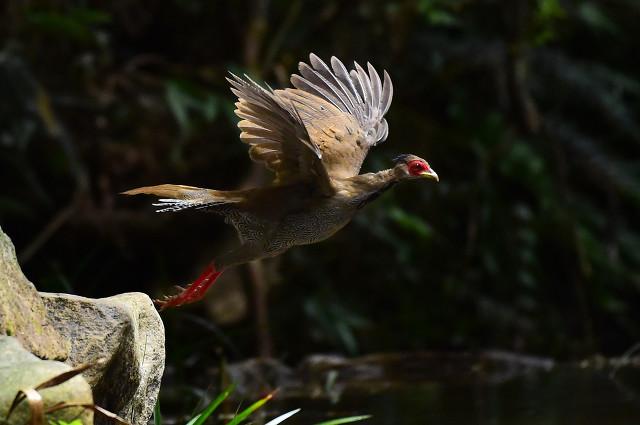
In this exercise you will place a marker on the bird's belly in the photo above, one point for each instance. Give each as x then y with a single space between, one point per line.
306 228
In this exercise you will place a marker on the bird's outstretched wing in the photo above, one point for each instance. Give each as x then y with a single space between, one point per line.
274 129
342 110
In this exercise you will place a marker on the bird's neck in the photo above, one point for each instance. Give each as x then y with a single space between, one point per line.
370 186
382 180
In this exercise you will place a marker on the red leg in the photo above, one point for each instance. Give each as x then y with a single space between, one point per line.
192 293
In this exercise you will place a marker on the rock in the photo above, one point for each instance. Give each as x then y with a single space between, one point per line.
22 312
19 369
127 332
257 376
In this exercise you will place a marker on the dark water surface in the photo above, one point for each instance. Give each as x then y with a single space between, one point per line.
491 388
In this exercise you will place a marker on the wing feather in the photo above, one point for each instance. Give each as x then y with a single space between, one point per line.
387 93
376 86
319 130
331 79
277 135
361 99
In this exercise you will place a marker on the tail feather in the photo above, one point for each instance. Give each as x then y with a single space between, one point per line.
175 197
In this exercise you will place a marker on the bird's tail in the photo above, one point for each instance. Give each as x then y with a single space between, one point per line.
176 197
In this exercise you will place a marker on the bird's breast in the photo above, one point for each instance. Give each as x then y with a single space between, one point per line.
313 225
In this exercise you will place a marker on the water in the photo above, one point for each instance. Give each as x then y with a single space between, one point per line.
445 389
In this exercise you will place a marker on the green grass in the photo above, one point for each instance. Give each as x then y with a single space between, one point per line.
241 417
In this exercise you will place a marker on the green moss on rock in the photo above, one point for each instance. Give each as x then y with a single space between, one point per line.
22 312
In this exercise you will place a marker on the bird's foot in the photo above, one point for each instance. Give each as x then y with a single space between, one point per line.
192 293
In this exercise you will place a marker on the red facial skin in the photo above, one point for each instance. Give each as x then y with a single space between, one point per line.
417 167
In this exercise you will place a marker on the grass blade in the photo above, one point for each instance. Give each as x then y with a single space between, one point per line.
64 376
345 420
282 418
157 415
97 409
249 410
52 382
202 416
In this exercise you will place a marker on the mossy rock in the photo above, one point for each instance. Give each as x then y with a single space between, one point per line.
22 312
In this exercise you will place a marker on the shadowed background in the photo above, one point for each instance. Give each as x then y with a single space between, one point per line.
528 111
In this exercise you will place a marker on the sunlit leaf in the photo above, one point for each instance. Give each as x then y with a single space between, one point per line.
211 407
282 418
249 410
345 420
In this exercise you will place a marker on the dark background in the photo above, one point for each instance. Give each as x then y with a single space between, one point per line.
528 111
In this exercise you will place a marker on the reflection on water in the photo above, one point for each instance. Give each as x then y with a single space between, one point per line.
442 389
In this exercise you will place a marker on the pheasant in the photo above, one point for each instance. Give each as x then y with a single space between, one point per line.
314 138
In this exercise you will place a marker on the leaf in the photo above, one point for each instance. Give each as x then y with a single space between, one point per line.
211 407
209 108
550 9
410 222
61 422
185 98
76 24
36 405
346 420
435 13
249 410
65 376
593 16
282 418
441 18
56 380
97 409
157 415
178 102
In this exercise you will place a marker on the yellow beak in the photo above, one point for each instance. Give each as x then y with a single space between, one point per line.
430 175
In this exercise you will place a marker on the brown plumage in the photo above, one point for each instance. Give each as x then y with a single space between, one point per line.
314 137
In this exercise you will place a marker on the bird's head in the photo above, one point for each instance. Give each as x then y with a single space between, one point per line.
413 167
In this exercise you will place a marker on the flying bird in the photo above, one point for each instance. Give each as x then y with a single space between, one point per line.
314 138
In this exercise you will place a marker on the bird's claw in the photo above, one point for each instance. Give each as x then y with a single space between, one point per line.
192 293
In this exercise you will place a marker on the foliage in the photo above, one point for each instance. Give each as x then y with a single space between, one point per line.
240 417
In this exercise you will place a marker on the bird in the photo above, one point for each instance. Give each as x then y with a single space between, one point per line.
314 137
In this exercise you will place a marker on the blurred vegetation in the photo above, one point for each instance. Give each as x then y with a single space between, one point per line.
528 110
